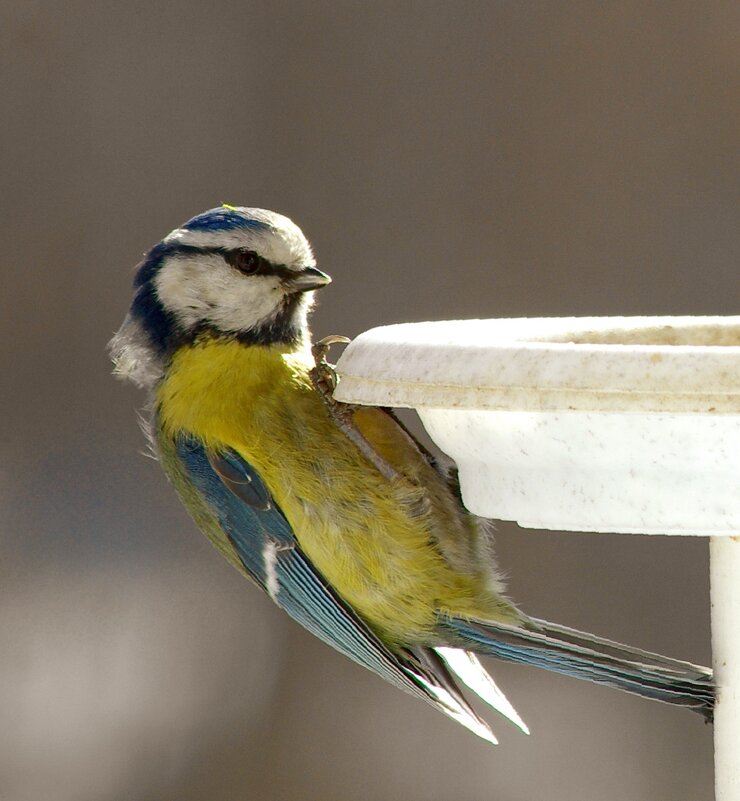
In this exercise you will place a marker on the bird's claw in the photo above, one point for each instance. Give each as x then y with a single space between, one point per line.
321 348
323 374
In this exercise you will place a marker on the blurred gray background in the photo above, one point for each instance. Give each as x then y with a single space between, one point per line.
447 160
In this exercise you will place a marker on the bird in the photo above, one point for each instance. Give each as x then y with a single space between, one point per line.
349 524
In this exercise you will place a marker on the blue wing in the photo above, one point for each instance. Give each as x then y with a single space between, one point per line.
264 542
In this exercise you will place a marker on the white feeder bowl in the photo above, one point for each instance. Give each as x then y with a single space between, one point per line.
622 424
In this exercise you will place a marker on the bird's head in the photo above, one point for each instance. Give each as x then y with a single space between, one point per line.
235 272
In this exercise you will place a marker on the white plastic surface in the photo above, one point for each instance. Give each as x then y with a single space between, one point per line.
586 471
619 364
590 424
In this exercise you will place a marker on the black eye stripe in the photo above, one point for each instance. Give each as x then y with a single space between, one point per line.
251 263
248 262
233 257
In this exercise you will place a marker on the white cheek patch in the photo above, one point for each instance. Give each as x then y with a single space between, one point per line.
206 289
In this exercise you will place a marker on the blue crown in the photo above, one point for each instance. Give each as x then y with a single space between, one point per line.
223 218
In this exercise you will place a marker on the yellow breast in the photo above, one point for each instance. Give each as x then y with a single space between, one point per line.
365 534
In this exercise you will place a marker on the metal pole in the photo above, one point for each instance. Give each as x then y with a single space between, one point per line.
724 566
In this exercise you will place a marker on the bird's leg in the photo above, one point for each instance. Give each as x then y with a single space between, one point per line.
324 379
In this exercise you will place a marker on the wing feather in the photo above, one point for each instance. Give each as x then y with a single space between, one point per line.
263 541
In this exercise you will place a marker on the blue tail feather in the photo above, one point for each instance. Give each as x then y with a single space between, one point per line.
584 656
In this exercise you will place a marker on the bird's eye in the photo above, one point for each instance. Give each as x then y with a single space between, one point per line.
246 261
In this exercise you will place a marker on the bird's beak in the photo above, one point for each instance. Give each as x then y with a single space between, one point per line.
308 278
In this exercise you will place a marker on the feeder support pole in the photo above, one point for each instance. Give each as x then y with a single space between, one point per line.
724 561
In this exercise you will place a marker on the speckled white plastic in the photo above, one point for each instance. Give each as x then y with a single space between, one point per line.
579 424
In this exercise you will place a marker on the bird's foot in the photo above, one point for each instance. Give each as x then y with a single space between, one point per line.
323 374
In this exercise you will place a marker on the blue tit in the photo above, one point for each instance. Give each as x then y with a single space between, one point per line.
385 565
